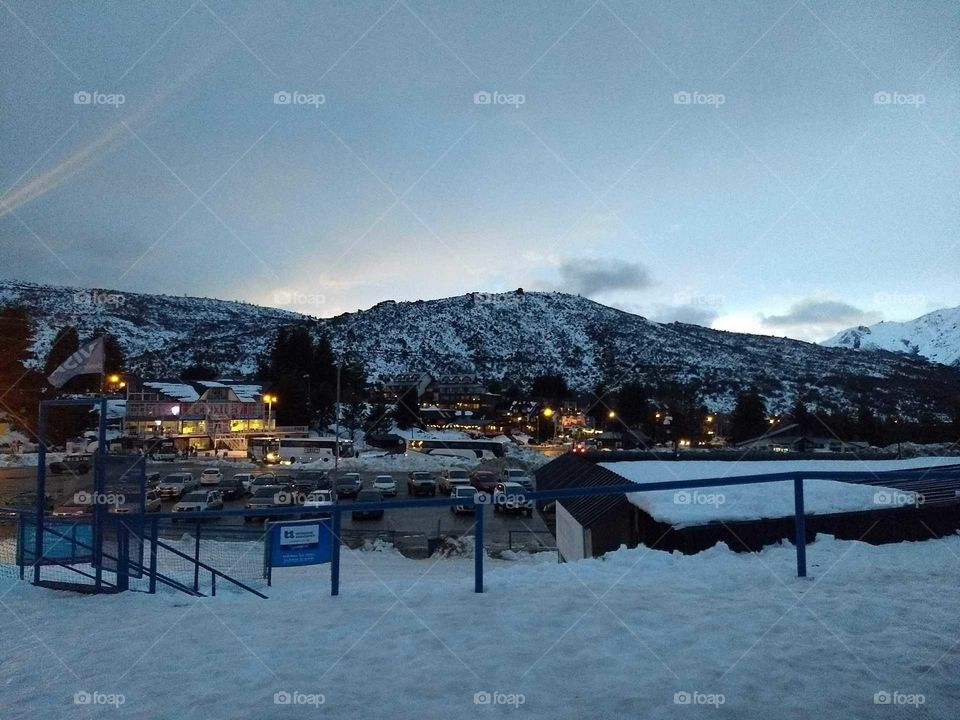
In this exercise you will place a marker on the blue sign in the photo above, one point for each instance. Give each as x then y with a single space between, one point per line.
64 541
300 542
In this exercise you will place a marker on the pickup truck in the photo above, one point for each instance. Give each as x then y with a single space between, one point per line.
421 483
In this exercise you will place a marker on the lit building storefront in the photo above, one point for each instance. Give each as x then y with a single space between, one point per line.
201 415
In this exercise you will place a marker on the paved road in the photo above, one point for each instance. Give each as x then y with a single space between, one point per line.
499 529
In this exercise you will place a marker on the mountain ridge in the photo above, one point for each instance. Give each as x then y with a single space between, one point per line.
515 335
935 336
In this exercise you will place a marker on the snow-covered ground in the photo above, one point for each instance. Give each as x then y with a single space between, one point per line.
769 500
638 634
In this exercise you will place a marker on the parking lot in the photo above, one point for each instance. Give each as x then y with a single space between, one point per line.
409 525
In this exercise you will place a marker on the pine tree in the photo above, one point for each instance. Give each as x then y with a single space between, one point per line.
749 419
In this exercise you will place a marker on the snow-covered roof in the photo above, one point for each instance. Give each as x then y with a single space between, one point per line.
180 391
769 500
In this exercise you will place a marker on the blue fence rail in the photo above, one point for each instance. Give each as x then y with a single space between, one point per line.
152 520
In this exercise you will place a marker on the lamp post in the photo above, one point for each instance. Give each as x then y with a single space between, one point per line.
547 413
269 400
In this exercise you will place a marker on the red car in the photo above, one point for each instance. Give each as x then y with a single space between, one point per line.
484 480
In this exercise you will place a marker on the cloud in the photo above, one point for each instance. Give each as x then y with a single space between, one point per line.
597 276
816 318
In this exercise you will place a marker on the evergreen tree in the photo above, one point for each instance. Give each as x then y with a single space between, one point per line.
632 404
20 387
749 419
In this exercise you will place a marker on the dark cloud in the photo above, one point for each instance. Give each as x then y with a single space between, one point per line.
814 312
597 276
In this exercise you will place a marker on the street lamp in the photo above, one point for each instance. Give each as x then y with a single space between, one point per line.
269 400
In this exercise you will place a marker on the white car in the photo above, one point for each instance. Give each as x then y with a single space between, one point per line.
211 476
386 485
451 478
245 480
200 501
463 491
318 501
517 475
175 485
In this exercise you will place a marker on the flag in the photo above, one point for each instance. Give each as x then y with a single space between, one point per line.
87 360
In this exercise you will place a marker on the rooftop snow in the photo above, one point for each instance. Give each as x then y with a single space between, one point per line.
752 502
180 391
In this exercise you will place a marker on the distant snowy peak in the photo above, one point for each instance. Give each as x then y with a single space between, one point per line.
935 336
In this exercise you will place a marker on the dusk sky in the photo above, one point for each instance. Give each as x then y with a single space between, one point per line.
790 168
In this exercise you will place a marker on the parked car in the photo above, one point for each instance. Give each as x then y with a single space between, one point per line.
245 479
421 483
210 476
509 497
386 485
152 480
517 475
349 485
265 480
200 501
24 501
176 485
151 503
453 477
484 480
463 491
231 488
73 464
266 497
306 481
368 496
73 508
318 503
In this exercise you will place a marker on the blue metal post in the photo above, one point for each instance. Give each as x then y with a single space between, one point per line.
478 548
123 556
196 556
335 554
800 526
154 531
41 507
99 492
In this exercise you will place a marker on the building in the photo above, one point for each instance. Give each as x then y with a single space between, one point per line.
202 414
789 438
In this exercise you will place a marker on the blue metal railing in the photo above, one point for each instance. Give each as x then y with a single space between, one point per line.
944 473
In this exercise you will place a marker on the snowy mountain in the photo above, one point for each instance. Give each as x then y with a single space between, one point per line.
512 335
935 336
160 334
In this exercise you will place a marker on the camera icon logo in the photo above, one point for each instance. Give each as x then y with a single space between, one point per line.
882 98
82 97
682 98
282 97
682 698
282 698
482 98
82 697
482 698
882 698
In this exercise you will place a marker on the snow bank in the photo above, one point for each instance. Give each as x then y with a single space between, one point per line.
770 500
633 635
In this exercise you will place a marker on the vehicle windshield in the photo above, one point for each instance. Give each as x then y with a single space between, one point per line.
211 471
195 497
457 475
348 481
176 478
265 492
384 479
422 475
515 472
465 491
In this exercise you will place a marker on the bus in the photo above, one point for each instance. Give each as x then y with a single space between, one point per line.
293 450
259 447
479 449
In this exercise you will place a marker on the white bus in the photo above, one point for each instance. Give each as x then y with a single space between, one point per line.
294 450
478 449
